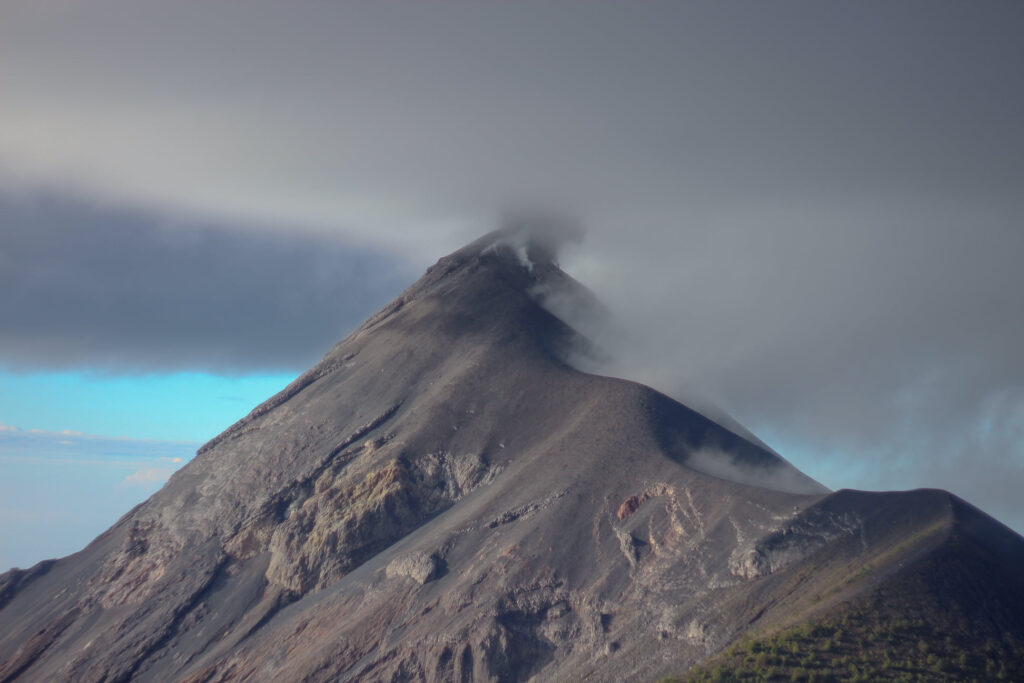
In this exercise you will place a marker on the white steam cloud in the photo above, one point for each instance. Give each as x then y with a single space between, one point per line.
778 477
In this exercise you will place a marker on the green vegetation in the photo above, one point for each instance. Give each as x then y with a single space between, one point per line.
861 647
903 650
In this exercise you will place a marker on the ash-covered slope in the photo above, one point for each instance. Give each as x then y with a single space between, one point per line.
441 498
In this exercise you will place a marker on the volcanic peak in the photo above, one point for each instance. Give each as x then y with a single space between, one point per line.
443 498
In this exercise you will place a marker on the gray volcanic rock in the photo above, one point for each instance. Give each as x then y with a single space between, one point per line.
444 498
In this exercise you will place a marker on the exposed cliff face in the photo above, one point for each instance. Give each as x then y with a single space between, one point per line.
443 498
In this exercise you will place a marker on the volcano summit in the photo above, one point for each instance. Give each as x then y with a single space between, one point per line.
444 498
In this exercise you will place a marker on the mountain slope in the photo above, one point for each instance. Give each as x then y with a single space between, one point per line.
443 498
936 599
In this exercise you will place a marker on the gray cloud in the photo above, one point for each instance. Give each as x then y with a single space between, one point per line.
809 214
413 121
122 290
874 348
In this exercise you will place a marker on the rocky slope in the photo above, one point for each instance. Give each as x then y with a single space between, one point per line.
444 498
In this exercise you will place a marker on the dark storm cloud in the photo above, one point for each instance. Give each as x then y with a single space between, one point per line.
125 290
808 213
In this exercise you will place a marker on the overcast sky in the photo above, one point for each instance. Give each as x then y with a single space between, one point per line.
810 214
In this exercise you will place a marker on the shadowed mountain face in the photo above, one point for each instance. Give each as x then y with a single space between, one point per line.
444 498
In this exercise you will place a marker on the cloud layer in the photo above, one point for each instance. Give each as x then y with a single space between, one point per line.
121 290
404 123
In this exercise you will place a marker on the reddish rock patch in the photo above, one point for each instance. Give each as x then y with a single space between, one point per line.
630 505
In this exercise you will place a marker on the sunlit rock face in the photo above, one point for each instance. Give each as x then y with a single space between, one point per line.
444 497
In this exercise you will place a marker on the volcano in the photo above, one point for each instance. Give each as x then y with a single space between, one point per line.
444 497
